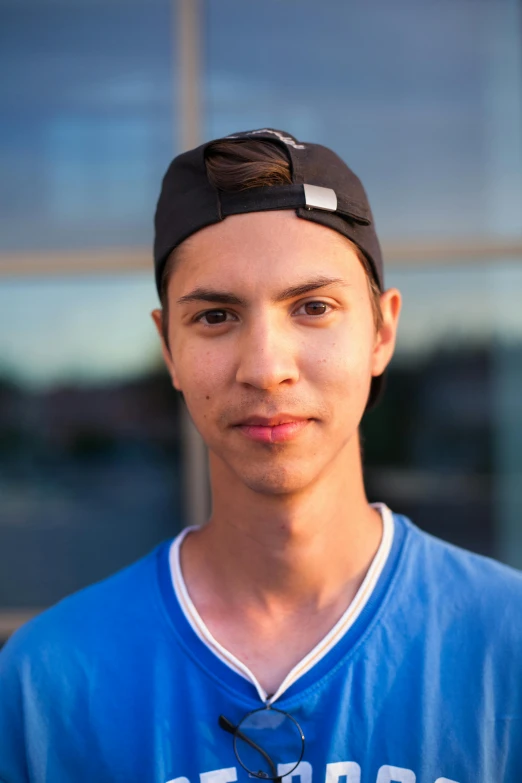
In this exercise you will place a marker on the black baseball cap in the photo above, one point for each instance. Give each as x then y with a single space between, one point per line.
323 189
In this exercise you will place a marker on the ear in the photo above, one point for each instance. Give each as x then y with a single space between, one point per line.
157 317
391 302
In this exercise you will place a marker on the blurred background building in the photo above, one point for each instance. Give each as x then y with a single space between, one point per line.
423 100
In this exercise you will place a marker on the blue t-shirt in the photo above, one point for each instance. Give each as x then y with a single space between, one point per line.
114 684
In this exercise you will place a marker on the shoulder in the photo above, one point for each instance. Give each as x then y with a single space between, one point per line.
460 565
86 621
63 667
461 583
459 616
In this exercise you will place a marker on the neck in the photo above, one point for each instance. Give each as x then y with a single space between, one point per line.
280 553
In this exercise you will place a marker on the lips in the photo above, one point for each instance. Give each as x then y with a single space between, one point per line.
275 429
272 421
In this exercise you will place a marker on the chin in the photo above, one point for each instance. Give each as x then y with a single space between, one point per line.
276 480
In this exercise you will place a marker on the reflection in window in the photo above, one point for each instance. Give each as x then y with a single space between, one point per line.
87 121
89 435
445 447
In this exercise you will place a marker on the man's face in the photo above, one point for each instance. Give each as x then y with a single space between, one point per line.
270 317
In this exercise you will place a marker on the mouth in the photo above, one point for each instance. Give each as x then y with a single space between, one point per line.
276 429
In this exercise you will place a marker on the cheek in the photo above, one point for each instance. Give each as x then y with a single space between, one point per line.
343 362
200 370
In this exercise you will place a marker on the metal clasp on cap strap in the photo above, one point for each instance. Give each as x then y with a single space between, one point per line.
320 198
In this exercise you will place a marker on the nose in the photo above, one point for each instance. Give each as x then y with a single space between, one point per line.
268 356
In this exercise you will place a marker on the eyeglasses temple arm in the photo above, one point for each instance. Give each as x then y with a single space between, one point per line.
229 726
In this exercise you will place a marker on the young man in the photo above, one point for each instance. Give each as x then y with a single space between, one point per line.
302 633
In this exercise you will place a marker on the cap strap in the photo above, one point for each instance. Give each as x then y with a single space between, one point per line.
261 199
273 197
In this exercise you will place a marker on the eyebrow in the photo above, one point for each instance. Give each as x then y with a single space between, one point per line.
203 294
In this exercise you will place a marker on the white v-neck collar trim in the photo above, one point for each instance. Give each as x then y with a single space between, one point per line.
321 649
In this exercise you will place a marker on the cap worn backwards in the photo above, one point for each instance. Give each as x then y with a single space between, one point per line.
323 190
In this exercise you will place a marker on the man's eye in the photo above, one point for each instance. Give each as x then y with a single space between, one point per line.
315 308
213 317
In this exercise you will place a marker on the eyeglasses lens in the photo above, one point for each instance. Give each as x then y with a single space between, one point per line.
267 738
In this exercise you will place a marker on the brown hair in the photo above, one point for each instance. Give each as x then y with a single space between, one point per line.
234 165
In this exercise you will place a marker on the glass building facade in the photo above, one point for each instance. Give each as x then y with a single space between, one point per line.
423 100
